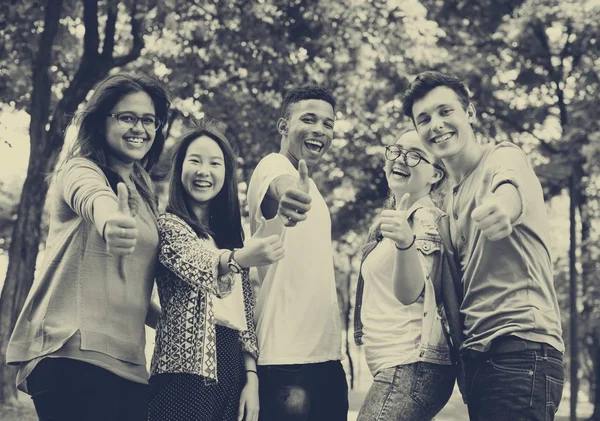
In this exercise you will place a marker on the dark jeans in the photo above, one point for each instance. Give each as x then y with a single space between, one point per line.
511 386
64 389
303 392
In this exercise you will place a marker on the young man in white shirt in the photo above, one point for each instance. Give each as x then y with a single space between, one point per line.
297 314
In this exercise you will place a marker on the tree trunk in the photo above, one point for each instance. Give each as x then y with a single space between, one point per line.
26 234
347 311
573 342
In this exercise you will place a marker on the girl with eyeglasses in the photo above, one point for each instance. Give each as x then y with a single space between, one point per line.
79 341
401 328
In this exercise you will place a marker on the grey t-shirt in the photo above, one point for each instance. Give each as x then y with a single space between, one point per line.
508 284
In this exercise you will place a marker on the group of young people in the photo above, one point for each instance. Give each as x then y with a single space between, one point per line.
455 281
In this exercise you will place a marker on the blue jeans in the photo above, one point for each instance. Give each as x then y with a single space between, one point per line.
523 385
303 392
412 392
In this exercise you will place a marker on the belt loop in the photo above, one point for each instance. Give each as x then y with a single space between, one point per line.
545 351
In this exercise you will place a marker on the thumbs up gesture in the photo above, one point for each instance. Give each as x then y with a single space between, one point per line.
295 202
120 232
490 214
394 224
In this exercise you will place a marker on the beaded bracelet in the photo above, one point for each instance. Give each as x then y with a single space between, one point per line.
407 247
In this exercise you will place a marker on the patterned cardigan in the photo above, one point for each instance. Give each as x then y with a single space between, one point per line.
187 279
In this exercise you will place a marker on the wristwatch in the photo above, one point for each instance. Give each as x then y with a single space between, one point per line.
234 266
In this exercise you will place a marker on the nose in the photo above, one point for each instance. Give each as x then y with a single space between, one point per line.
437 123
138 126
203 170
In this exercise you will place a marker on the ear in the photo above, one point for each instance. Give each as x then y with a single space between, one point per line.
471 113
282 126
438 174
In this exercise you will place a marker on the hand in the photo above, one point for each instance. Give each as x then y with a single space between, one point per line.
394 224
249 403
260 251
490 214
295 202
120 231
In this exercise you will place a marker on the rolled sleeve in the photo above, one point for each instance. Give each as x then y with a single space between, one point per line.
509 165
80 183
191 258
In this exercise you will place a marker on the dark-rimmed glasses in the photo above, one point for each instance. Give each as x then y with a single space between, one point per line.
410 158
129 120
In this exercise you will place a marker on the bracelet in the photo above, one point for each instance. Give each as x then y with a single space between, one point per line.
252 371
407 247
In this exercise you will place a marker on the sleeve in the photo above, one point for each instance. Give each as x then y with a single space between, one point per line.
428 242
268 169
509 164
79 183
191 258
248 336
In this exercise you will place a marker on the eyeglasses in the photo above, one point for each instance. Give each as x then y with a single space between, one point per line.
410 158
129 120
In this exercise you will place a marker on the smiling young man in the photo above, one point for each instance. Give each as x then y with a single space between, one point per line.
498 241
297 313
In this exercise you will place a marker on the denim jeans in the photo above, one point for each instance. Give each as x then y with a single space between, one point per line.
412 392
303 392
524 385
65 389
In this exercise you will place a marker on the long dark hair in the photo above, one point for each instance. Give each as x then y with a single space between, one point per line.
225 221
91 141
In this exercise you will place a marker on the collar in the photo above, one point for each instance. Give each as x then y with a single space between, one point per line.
423 202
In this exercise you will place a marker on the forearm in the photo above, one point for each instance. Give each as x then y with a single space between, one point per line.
153 315
280 185
509 196
103 208
408 276
250 366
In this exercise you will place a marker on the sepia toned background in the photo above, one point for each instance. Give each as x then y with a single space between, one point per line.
533 67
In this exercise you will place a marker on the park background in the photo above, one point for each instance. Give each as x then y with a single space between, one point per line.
533 67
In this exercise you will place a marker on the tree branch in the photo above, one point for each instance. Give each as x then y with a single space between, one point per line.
545 145
109 32
91 39
40 96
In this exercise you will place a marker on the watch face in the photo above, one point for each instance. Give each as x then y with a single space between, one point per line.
233 267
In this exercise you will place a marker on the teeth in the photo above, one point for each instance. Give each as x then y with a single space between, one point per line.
202 184
314 144
442 138
134 139
401 172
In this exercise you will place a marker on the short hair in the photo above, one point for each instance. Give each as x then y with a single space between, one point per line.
303 93
426 82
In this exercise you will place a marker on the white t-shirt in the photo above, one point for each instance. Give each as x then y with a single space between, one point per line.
297 313
392 330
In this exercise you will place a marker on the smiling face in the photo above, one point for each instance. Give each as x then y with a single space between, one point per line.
308 131
129 144
443 123
415 180
203 171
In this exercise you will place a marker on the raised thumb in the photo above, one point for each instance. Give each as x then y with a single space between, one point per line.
123 198
304 182
403 205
